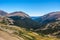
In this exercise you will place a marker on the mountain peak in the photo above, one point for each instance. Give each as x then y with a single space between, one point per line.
3 13
19 13
55 13
52 16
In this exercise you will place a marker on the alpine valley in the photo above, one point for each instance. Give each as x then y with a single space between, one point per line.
20 26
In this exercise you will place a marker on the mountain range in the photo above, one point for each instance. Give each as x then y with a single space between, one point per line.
48 24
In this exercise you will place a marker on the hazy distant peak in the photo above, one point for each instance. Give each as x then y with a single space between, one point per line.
3 13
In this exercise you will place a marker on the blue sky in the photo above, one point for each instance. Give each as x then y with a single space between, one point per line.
31 7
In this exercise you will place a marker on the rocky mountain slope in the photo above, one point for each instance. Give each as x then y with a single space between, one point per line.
22 19
9 32
25 22
50 17
20 25
50 24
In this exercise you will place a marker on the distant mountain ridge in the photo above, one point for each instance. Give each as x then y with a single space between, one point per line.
3 13
49 17
18 13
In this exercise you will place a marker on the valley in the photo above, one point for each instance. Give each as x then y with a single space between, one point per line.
20 26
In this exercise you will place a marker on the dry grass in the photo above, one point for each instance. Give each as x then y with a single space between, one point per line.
6 36
22 33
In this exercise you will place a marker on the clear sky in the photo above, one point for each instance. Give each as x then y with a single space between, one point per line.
31 7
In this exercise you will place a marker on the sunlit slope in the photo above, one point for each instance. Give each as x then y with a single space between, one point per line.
6 36
18 33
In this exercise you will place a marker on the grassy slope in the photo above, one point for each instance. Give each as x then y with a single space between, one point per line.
6 36
22 33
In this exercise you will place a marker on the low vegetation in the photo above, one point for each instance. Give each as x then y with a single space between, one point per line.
24 34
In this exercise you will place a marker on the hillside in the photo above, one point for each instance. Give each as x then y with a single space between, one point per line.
51 28
21 19
50 17
25 22
50 24
7 36
18 33
20 26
